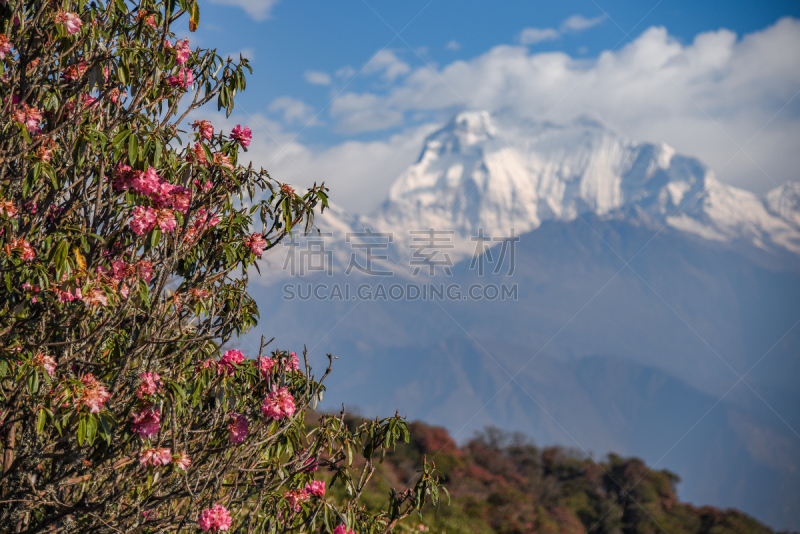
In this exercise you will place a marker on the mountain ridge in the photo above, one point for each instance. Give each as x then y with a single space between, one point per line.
481 172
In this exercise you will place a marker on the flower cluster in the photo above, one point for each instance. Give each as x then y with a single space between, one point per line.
181 461
5 46
228 360
22 247
181 49
205 128
146 421
184 79
72 23
148 183
215 519
256 244
238 428
93 394
8 209
279 404
46 362
156 457
316 488
295 498
242 135
29 116
150 385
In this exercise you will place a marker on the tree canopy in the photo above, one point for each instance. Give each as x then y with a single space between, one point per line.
128 228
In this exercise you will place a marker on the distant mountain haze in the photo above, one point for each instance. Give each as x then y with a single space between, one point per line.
655 315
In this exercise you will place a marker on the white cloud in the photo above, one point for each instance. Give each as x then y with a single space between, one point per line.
387 64
453 45
293 110
258 9
578 23
706 98
574 24
358 113
317 78
358 173
345 72
530 36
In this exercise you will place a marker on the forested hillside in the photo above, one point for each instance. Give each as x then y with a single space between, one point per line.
504 483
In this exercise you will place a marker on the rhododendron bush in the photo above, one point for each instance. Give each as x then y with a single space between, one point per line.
127 231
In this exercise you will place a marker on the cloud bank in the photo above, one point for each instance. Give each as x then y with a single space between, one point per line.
258 9
732 102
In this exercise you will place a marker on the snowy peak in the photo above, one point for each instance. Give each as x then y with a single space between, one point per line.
500 173
784 201
467 129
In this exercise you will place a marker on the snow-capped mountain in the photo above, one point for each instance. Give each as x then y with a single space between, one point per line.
496 173
648 292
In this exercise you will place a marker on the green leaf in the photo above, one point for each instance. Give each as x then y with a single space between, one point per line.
155 237
120 138
40 421
157 153
91 429
60 256
133 148
81 431
33 382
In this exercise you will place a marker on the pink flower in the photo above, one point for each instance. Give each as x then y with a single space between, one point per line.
75 71
203 186
121 270
29 116
206 129
181 461
341 529
265 365
215 518
146 182
156 457
5 46
228 359
95 297
8 209
256 244
295 497
279 404
316 488
197 153
222 160
207 364
145 270
291 363
88 100
185 79
180 198
144 220
66 296
93 394
242 135
72 22
181 49
146 422
311 465
150 385
46 362
166 220
238 428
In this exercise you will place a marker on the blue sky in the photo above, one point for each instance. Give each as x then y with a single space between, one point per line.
336 88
